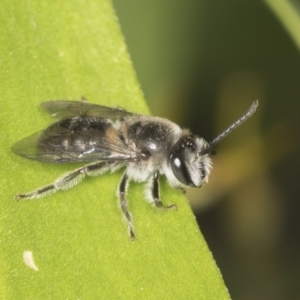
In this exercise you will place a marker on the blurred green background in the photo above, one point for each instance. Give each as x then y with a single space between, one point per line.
201 64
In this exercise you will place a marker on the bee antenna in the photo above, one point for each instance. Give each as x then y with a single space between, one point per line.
207 150
237 123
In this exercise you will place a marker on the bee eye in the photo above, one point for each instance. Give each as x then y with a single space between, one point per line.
179 169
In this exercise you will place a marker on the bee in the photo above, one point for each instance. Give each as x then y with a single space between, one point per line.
107 139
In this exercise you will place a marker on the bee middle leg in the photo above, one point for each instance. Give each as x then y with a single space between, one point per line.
155 198
124 205
68 180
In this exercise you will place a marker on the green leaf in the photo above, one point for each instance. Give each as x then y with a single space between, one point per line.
74 245
288 12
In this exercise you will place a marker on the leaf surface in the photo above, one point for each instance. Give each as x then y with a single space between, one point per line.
74 245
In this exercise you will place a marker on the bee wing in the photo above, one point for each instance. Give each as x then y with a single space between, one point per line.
66 109
66 147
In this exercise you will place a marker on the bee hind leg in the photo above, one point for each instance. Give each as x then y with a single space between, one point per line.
67 181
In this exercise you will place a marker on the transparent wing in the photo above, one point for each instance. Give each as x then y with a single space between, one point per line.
66 109
63 144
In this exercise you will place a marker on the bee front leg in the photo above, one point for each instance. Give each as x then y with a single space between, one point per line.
124 205
68 180
155 193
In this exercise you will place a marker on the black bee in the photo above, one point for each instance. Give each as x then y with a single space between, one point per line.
107 139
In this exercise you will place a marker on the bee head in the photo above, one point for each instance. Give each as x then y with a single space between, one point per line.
189 161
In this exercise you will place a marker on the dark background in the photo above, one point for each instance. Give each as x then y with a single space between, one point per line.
201 64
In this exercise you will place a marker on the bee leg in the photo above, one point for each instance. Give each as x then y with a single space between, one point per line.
155 193
124 206
67 181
